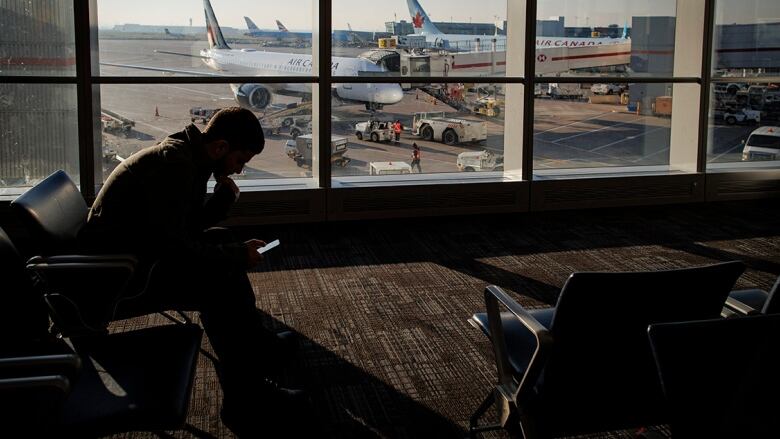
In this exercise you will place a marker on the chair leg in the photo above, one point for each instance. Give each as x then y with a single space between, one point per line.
481 410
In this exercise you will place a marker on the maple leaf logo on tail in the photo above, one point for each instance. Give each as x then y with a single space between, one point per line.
418 20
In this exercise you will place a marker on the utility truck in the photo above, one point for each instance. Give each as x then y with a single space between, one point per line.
374 130
437 126
300 150
474 161
389 168
115 123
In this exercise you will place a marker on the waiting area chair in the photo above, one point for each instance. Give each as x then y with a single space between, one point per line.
586 365
86 386
54 212
753 301
720 377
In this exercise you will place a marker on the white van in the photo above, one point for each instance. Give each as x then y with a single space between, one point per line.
763 144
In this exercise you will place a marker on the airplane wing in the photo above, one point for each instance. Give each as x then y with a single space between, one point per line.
181 54
162 69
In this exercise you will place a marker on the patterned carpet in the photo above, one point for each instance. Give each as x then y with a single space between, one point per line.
382 306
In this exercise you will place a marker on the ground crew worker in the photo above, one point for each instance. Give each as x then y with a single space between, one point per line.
416 154
397 129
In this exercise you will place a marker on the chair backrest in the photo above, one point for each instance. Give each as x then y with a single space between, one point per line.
720 376
772 304
53 211
23 314
601 374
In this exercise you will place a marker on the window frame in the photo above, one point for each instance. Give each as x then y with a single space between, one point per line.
88 80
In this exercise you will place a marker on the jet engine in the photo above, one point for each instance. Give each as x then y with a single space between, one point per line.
253 96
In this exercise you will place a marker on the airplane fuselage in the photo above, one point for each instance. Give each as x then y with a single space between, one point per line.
541 42
250 62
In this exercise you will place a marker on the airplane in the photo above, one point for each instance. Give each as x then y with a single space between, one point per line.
281 27
424 26
250 62
170 34
280 33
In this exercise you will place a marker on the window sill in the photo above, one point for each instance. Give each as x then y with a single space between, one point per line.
629 171
426 179
713 168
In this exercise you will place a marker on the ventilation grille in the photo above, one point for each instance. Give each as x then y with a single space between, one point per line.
748 187
642 191
438 200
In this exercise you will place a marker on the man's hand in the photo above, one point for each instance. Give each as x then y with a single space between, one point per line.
253 257
224 180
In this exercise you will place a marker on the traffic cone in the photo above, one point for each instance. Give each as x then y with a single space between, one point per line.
156 111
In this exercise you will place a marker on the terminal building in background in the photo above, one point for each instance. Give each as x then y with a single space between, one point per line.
403 27
37 40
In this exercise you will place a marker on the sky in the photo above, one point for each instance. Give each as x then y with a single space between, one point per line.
371 15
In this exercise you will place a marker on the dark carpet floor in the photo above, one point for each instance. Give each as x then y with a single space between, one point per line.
381 306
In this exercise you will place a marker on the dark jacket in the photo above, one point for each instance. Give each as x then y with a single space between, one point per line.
154 205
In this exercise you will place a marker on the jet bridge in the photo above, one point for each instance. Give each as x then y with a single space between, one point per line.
548 60
390 60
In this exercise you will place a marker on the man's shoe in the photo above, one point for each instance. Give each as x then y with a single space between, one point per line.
288 342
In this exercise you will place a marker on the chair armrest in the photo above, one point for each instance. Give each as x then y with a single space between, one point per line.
68 276
493 296
82 296
67 365
58 382
747 302
739 307
84 258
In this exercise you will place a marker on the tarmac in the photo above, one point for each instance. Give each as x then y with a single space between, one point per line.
567 133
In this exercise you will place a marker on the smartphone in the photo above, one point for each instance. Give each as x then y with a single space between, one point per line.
268 246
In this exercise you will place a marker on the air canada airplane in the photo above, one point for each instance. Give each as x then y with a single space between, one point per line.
424 26
250 62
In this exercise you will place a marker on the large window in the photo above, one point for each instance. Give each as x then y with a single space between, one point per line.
425 129
501 91
744 117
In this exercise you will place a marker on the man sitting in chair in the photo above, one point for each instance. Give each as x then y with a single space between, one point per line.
154 205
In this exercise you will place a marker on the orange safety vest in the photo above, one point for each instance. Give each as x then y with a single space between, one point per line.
397 127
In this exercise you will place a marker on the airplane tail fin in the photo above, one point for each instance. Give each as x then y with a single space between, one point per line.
250 24
625 30
420 20
167 32
213 31
349 26
281 27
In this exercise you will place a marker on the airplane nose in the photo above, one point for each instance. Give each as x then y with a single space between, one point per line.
389 94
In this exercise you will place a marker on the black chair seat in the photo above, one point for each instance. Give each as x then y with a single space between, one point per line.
720 376
138 380
95 386
518 339
752 298
586 365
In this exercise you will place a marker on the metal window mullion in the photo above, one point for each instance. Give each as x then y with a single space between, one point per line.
38 80
617 80
324 90
128 80
528 92
706 81
430 79
86 144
